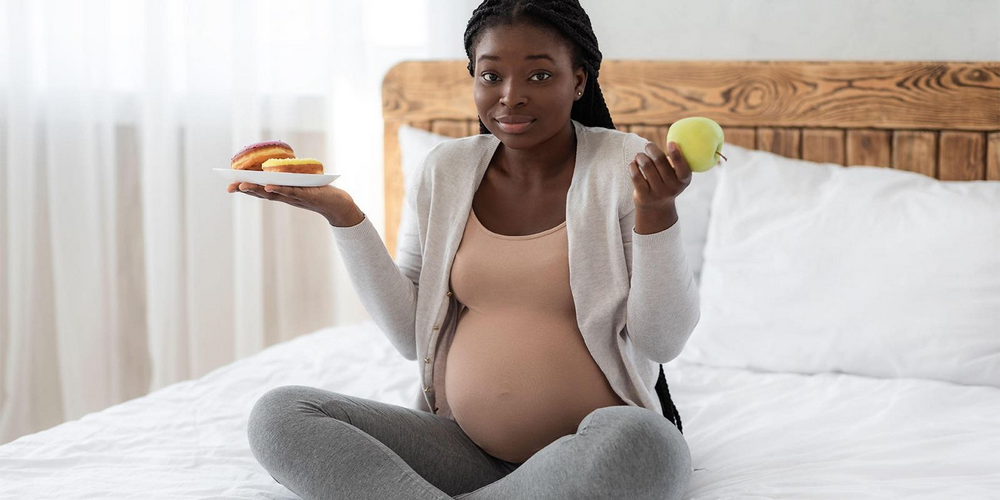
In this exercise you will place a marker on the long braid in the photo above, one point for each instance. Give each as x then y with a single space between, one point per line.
573 23
570 20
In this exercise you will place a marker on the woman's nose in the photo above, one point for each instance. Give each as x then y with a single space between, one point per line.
513 96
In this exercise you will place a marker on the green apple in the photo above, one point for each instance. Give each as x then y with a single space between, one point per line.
700 141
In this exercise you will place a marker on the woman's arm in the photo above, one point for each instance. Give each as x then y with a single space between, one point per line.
663 303
387 289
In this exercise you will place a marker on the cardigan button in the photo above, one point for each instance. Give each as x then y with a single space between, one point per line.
449 294
436 327
427 360
427 389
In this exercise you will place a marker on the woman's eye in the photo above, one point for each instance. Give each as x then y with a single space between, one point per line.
486 77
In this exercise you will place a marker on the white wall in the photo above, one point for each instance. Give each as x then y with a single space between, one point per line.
946 30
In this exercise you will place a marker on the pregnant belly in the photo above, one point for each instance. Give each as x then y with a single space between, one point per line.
517 382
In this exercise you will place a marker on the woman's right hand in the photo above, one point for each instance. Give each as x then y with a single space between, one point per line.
333 203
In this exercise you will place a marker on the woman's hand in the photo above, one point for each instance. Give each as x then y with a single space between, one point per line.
331 202
658 180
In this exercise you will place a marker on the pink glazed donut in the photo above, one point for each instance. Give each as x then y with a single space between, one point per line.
254 155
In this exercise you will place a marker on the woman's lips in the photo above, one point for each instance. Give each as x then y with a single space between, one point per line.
514 128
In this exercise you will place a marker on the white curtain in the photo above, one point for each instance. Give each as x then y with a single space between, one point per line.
124 264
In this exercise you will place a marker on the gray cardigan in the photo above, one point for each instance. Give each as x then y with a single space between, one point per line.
631 321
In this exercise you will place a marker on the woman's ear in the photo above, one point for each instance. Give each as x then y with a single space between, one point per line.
581 81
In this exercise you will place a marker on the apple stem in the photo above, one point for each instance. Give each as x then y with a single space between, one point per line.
723 157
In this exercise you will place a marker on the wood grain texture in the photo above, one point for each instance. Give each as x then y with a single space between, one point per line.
915 151
450 128
472 127
392 169
869 147
843 94
962 156
782 141
993 157
937 118
654 134
745 137
823 145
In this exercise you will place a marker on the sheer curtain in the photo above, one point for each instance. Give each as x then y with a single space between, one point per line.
125 266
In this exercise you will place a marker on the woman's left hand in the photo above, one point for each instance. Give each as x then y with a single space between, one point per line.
658 180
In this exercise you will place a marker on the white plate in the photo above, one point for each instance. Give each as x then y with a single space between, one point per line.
276 178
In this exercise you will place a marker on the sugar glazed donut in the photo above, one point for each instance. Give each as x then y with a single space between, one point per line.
254 155
294 165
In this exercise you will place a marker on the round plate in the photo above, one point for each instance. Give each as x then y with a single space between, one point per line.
276 178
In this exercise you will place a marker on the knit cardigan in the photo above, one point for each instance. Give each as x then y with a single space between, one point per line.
635 295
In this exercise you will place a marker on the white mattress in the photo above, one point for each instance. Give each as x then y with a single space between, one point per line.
752 435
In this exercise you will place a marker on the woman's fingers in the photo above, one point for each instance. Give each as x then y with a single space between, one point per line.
256 190
253 193
640 182
650 170
682 171
308 198
274 193
264 195
661 164
286 191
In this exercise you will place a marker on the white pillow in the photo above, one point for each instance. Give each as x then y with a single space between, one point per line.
414 144
814 267
694 210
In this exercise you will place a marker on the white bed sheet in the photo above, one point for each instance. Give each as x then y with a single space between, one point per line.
752 435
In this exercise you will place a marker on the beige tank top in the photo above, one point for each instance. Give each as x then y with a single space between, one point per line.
519 374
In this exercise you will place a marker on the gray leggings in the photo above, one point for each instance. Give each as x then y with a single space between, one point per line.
322 444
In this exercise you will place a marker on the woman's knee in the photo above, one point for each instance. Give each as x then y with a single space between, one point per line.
276 410
646 441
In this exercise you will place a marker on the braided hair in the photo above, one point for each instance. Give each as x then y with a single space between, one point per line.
567 18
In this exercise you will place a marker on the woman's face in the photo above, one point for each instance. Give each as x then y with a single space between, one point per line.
525 74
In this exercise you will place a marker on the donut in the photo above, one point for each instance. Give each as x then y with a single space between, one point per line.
294 165
252 156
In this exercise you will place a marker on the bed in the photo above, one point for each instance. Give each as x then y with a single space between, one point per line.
918 425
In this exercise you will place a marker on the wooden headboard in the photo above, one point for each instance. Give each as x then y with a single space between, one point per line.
940 119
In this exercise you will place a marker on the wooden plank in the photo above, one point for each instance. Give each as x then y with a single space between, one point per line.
825 145
473 127
394 186
869 147
883 95
915 151
450 128
993 157
745 137
782 141
962 156
654 134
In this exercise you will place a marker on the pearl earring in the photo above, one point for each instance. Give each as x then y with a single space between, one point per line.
579 94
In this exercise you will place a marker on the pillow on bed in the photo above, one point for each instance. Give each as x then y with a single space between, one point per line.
694 209
814 267
414 144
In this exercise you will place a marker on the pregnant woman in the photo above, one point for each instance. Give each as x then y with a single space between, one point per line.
540 283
